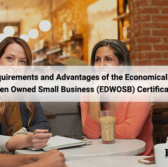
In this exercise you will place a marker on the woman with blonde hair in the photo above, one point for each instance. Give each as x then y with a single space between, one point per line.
17 117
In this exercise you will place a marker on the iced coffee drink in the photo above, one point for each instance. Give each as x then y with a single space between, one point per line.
107 125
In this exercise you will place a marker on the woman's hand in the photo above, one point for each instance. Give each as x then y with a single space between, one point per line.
94 101
39 138
98 83
96 95
52 158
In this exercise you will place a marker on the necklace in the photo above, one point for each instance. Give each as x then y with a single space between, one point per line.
14 110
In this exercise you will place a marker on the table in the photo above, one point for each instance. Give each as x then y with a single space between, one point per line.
97 149
117 161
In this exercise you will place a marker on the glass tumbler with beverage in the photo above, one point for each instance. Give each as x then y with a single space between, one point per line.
107 119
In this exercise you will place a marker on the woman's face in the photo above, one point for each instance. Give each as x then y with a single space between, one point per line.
14 57
105 57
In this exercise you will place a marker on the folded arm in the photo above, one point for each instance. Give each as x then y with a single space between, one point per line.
91 126
136 118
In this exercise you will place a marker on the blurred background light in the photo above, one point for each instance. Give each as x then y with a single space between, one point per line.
2 37
45 25
9 31
33 33
25 37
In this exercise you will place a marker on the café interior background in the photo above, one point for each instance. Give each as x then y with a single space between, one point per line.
140 24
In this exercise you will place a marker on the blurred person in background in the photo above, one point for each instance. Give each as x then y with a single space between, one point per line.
75 59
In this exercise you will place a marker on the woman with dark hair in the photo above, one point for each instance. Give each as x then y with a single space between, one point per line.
119 50
133 118
17 117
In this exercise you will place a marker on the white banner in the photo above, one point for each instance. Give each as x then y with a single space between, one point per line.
68 83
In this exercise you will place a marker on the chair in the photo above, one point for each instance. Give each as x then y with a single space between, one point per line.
79 108
63 118
159 120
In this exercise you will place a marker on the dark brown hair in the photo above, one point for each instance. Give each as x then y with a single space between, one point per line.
120 51
119 48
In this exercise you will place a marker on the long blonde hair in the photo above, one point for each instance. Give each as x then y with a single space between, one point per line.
2 107
29 105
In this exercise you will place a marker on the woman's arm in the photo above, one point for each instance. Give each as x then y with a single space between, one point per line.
4 140
94 102
22 140
91 126
50 158
18 141
40 120
55 159
17 160
94 107
32 140
137 115
37 140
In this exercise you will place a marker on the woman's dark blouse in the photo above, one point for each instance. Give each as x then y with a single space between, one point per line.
39 121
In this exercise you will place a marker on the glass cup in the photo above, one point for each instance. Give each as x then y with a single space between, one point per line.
107 119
